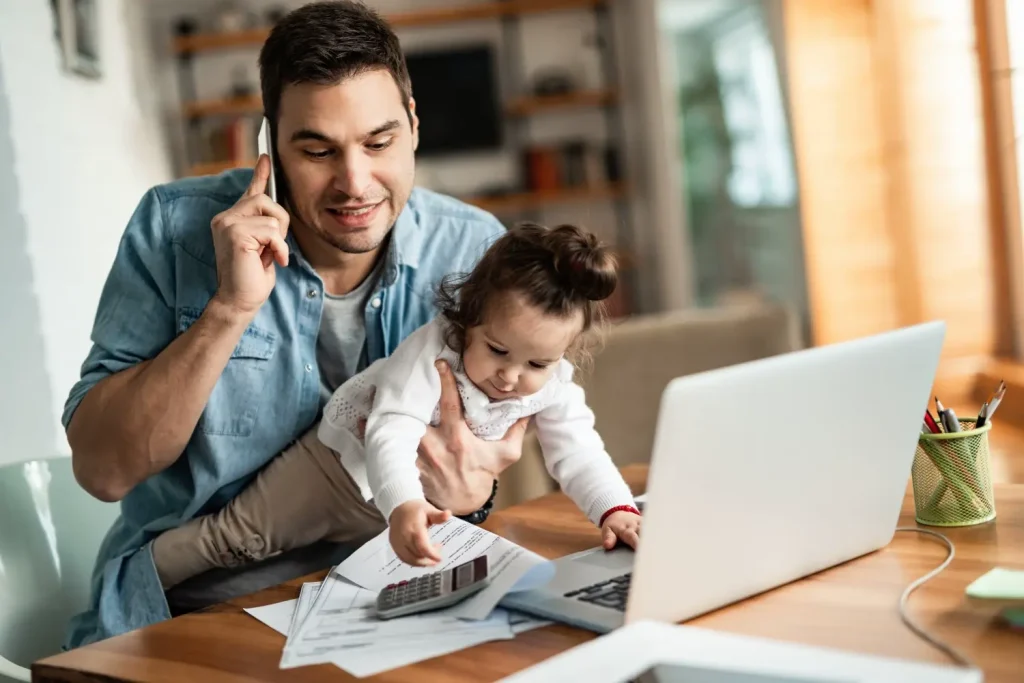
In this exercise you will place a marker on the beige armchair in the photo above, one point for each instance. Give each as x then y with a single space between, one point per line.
639 357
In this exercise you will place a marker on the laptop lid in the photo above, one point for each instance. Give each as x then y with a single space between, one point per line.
767 471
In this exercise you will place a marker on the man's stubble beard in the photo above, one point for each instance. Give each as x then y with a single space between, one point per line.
340 243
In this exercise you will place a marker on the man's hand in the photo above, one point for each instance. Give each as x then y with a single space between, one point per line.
408 532
248 239
457 468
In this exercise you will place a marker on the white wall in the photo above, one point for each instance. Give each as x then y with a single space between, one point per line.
75 157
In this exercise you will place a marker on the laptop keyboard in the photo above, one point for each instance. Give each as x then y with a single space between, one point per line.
611 593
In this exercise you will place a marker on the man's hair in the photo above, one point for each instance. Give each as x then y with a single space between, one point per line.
324 43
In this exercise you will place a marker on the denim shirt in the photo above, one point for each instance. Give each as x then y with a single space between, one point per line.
162 277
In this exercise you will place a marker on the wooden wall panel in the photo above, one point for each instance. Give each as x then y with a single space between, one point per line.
890 145
938 157
850 260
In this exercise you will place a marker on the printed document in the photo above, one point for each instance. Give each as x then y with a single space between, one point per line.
371 660
343 618
375 564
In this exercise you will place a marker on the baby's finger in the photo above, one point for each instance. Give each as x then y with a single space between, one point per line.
421 542
405 554
425 562
438 516
609 539
631 538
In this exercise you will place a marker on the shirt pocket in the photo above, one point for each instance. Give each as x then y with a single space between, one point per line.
239 393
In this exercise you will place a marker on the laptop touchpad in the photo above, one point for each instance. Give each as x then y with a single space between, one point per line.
619 559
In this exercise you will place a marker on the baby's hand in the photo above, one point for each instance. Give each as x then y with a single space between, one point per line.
621 525
408 532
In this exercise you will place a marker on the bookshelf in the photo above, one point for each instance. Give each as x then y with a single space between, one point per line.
234 115
203 42
528 105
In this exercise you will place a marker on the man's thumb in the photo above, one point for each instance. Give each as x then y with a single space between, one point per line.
517 430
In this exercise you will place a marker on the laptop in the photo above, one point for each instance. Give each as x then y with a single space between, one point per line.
761 473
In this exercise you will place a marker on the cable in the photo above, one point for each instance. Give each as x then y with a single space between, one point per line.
956 655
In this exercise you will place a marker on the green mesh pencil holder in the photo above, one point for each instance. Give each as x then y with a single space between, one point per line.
952 479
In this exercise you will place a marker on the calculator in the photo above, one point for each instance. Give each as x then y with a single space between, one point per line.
433 591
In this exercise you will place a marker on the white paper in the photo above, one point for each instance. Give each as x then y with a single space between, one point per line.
307 593
520 622
375 564
361 663
372 662
343 619
277 616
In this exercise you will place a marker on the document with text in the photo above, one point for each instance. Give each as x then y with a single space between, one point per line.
375 564
341 626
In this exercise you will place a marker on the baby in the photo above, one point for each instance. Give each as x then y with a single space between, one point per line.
511 332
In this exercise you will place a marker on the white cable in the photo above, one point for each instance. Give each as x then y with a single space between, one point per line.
956 655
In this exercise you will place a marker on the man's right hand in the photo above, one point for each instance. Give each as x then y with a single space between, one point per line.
248 239
458 468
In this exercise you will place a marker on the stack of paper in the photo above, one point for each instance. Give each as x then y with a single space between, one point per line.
335 621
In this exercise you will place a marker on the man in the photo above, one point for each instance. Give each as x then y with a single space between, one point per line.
227 319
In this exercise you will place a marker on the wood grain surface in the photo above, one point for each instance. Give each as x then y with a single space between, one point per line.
852 607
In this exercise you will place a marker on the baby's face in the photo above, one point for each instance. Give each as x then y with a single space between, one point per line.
515 350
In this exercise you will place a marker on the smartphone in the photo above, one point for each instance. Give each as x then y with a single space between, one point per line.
265 145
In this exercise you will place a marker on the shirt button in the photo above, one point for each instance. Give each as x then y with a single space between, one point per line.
376 302
311 294
309 368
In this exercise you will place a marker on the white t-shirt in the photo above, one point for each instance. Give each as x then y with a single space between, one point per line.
398 396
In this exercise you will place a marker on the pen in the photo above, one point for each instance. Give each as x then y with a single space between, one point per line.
942 414
930 423
995 400
953 424
982 416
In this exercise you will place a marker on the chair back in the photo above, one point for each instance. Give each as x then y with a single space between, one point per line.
50 532
640 356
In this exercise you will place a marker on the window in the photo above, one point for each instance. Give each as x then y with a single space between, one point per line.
762 167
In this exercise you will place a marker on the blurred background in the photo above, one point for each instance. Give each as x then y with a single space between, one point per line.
854 162
776 174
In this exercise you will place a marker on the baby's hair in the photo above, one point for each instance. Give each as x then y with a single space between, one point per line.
559 270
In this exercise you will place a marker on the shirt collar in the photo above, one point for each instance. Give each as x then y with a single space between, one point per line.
403 249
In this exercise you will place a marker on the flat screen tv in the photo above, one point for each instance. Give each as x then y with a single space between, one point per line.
456 97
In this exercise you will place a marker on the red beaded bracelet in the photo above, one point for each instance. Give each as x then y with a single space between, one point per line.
618 508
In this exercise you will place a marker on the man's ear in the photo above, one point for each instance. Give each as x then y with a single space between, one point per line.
414 121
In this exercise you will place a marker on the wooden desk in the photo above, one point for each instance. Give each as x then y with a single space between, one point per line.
852 607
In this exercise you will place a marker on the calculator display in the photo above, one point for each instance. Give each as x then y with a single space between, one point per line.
469 573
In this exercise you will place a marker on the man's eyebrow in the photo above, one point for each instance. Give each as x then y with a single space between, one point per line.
384 128
307 134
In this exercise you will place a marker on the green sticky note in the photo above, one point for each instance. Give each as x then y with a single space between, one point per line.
998 584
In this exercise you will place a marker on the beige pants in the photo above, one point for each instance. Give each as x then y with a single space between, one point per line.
302 496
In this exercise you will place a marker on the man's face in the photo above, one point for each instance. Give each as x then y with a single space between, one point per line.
347 152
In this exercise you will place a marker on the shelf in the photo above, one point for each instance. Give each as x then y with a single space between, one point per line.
251 104
511 202
520 106
530 200
202 42
537 104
